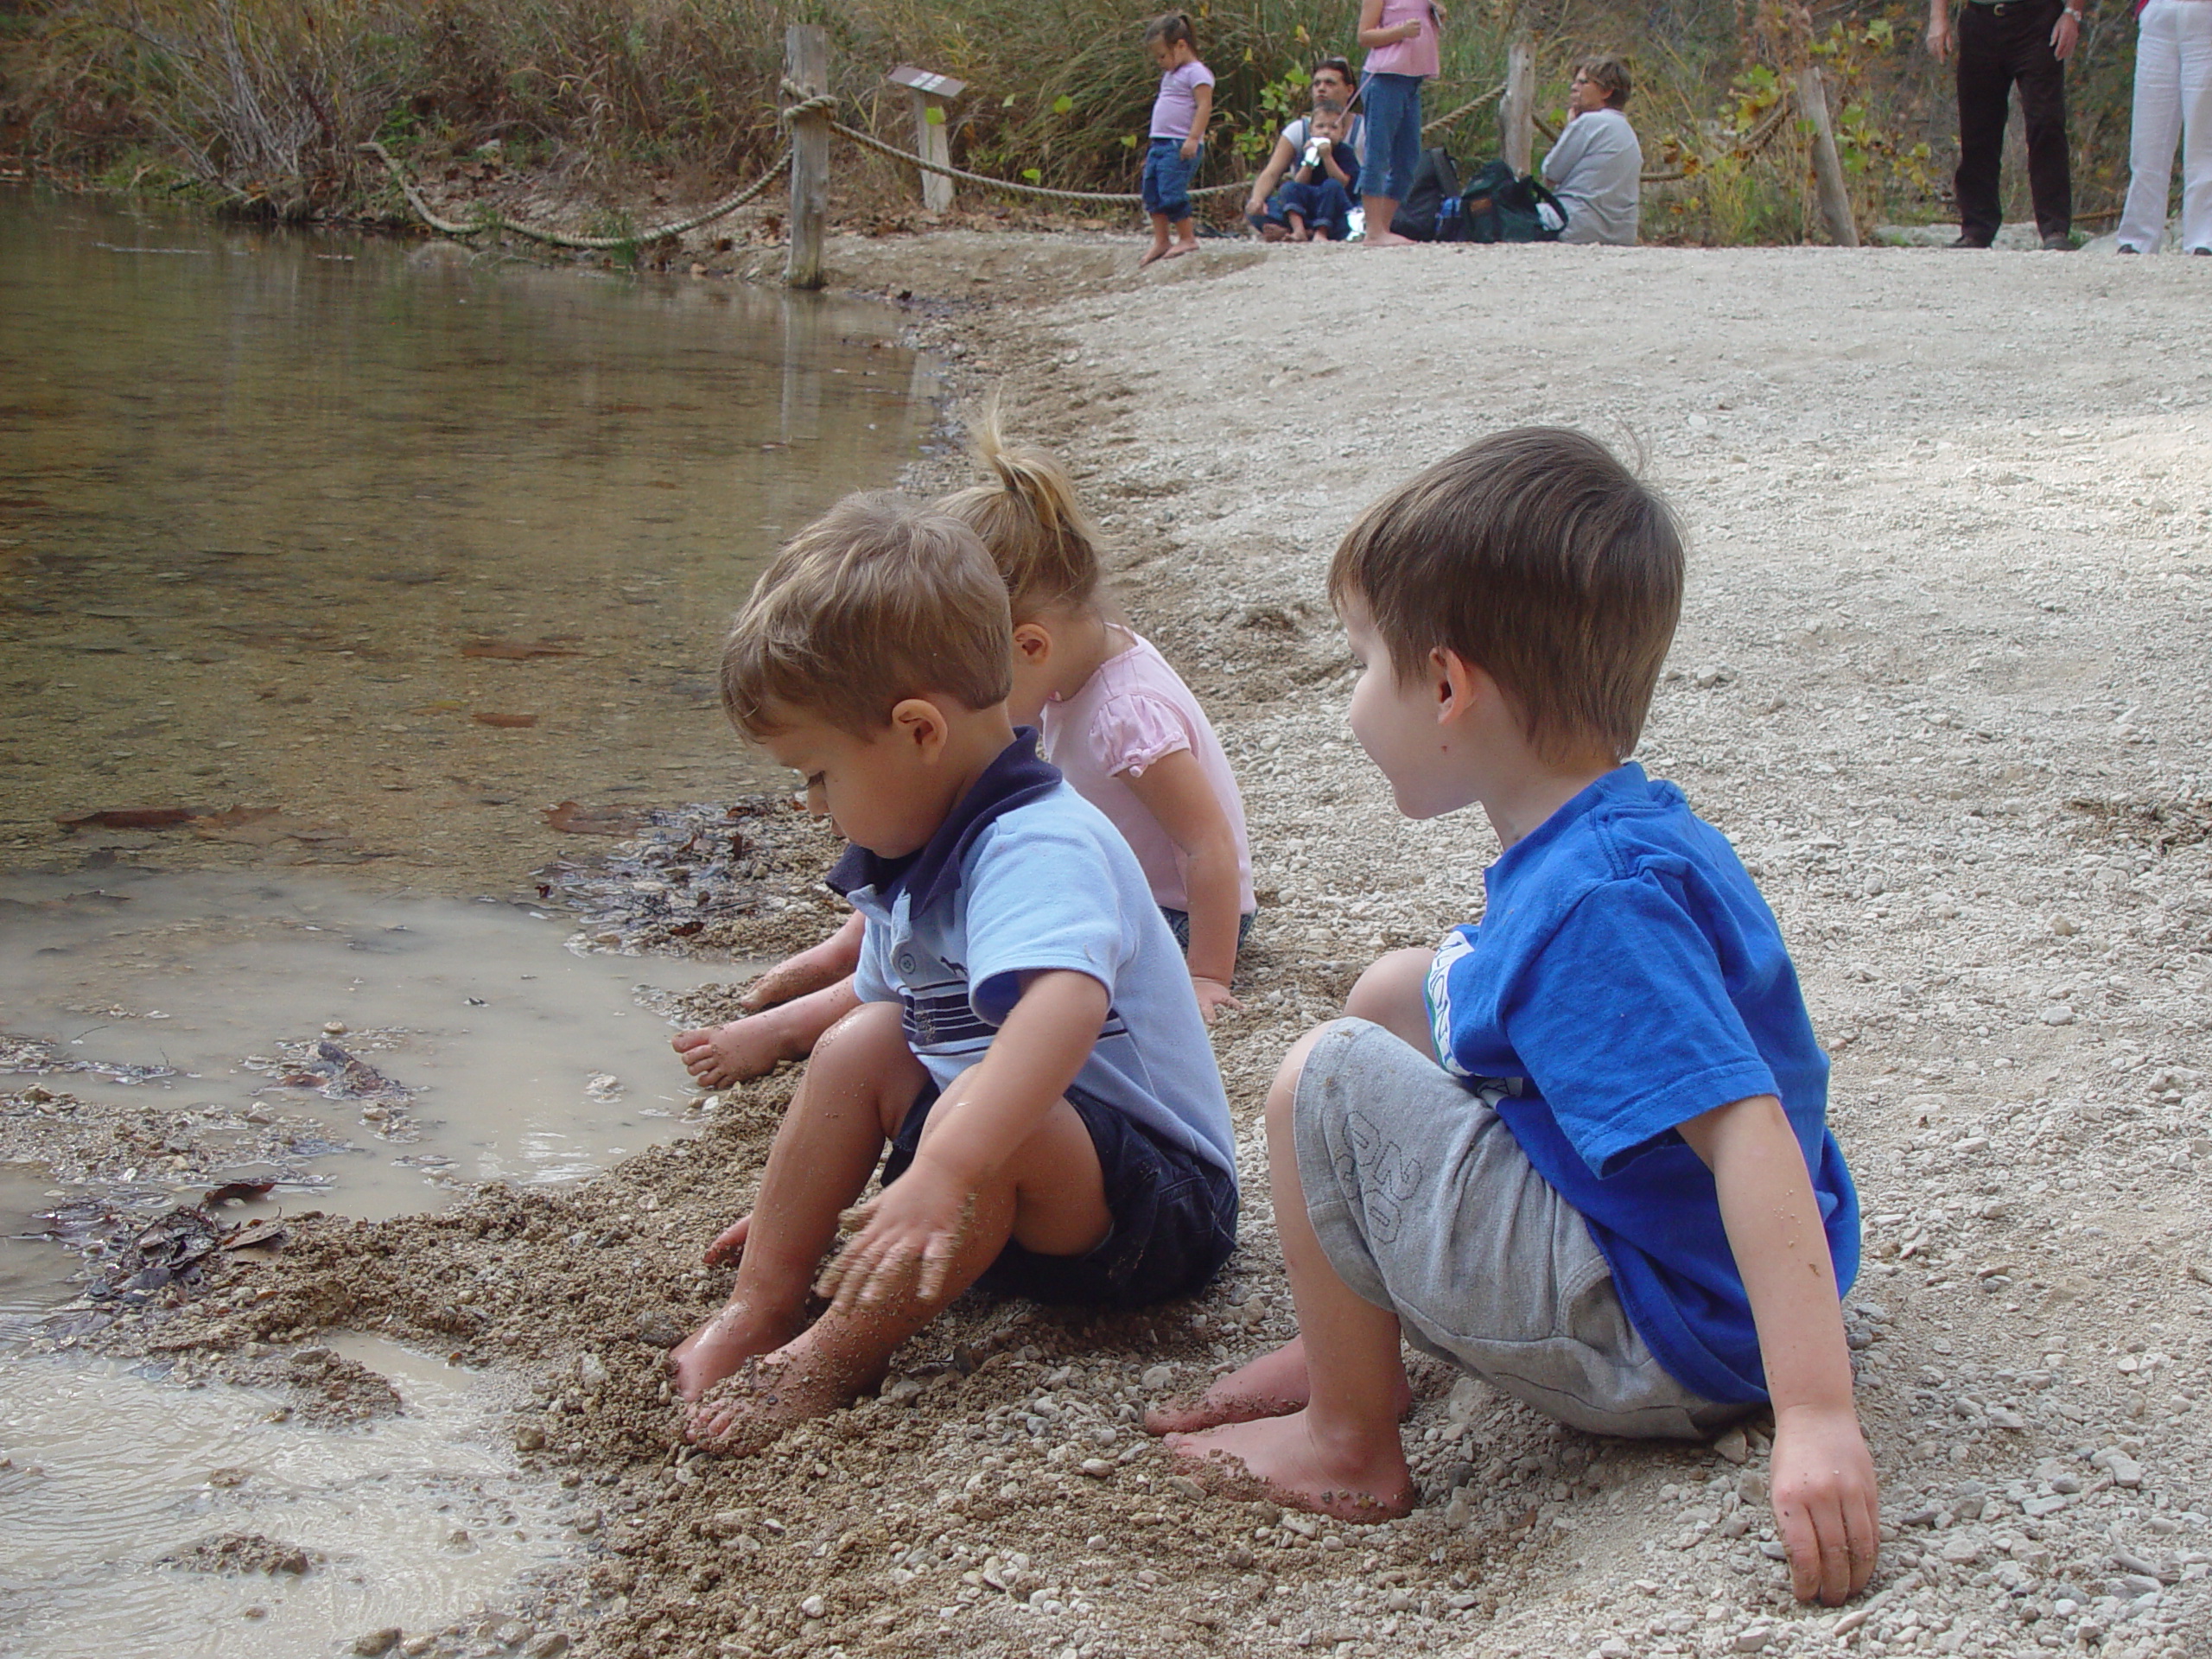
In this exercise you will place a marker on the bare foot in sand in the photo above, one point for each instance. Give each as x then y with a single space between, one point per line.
718 1056
1179 249
1352 1480
1153 255
723 1343
1274 1385
773 1392
1390 240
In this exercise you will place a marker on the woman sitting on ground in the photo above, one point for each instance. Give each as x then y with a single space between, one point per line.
1597 168
1265 208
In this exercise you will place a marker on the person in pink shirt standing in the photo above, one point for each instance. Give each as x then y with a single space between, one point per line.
1401 38
1179 116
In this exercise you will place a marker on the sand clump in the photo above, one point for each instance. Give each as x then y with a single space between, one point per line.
1941 677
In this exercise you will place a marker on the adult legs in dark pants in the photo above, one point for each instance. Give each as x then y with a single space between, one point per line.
2001 47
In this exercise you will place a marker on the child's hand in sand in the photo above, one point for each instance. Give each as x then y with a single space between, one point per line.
1213 997
909 1235
1825 1505
718 1056
729 1244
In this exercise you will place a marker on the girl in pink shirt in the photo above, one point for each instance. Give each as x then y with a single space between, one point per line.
1117 720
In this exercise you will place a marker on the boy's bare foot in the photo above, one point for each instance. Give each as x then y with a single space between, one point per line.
723 1344
772 1393
1351 1482
1179 249
1274 1385
1153 255
1391 239
718 1056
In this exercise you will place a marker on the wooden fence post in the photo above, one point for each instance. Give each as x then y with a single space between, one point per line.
1516 117
1827 164
806 66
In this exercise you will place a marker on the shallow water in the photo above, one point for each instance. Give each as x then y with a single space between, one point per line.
521 1060
410 1520
262 496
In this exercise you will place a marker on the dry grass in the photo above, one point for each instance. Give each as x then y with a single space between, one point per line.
260 103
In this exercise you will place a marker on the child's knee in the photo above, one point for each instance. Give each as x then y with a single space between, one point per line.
1393 989
863 1041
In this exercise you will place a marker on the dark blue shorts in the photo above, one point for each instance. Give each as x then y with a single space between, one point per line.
1179 923
1165 185
1174 1217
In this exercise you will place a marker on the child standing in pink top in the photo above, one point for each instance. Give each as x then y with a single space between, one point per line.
1179 116
1118 722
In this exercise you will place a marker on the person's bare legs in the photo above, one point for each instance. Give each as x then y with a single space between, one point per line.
1340 1454
1298 231
1393 994
863 1076
1380 210
814 968
1160 243
1050 1195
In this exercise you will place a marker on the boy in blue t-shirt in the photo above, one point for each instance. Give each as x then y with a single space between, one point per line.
1026 1044
1580 1149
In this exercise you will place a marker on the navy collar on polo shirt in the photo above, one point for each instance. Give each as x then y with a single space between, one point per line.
1017 776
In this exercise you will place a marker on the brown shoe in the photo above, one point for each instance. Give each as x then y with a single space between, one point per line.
1968 242
2058 243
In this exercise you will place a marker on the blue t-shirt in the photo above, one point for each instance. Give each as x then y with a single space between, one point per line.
1026 876
1625 977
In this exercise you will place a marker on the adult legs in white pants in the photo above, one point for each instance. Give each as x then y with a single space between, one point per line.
2173 105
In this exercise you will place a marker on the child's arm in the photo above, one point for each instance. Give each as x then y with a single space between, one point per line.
915 1224
1174 790
1825 1503
1203 98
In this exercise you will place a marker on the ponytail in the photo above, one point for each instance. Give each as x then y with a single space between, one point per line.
1172 28
1028 517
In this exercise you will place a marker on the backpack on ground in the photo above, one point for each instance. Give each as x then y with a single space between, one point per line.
1500 205
1436 182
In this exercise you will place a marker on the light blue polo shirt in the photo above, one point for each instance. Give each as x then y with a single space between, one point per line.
1026 876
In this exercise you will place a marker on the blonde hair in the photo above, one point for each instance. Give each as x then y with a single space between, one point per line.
1536 556
1028 519
878 599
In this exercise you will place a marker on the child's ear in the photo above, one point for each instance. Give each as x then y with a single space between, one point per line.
1458 684
1032 644
920 723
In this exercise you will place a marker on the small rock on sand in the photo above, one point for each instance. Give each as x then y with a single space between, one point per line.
371 1642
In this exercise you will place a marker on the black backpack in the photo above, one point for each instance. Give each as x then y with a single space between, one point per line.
1498 206
1436 180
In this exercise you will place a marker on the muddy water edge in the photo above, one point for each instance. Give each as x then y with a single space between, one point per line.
343 586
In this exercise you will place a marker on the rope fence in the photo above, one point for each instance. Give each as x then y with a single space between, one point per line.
826 106
485 220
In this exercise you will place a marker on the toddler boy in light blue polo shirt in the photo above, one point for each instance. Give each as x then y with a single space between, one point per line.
1027 1045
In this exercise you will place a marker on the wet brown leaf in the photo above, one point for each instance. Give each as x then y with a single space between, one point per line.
504 721
516 651
570 819
135 817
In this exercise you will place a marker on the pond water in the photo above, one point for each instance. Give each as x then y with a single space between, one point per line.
368 552
329 567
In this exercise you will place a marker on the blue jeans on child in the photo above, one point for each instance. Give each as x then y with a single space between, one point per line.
1393 106
1167 186
1324 206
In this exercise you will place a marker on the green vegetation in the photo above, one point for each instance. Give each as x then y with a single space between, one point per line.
258 104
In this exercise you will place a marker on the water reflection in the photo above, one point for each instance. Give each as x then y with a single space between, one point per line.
402 545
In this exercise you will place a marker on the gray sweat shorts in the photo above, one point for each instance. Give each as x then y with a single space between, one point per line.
1426 1205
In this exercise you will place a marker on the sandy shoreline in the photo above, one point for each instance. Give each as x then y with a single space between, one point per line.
1940 676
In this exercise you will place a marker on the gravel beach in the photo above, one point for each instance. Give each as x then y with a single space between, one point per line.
1941 676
